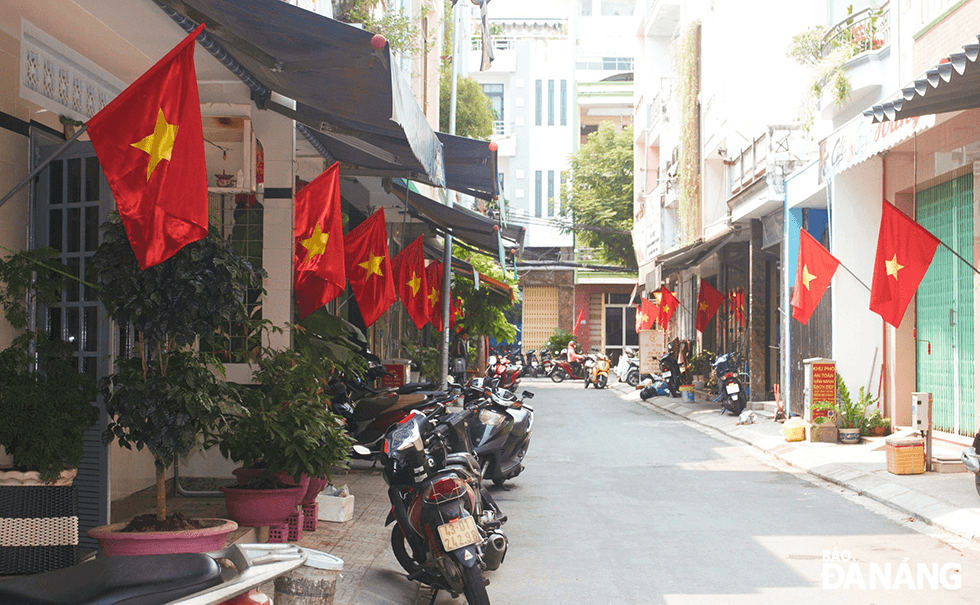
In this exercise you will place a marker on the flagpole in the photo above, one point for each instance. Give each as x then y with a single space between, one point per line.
956 254
44 164
844 267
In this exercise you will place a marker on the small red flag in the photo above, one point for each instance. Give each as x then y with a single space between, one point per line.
369 268
150 144
318 243
814 269
578 322
434 279
905 251
709 300
646 315
668 304
410 282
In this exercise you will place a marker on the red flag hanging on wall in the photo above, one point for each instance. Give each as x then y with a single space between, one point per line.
433 275
410 282
709 300
150 144
369 268
318 243
578 322
905 251
646 315
814 269
668 304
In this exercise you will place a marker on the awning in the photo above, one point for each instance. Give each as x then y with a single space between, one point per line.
470 166
343 88
952 85
692 255
471 227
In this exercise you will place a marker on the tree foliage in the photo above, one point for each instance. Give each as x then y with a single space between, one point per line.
474 112
598 192
483 309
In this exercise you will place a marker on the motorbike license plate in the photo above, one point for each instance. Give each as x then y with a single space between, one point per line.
665 375
732 388
459 533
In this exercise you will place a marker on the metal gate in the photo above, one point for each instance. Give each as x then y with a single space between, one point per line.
944 307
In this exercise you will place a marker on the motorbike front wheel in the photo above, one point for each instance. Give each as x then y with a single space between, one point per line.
474 588
399 547
558 375
633 378
600 382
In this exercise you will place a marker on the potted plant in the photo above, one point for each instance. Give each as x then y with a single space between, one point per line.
285 430
168 397
876 425
823 428
424 359
850 414
45 402
700 366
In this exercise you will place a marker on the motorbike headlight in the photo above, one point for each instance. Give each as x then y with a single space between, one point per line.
405 437
491 418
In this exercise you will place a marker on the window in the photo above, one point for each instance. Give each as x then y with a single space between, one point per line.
537 193
585 8
551 193
537 102
563 113
551 102
496 94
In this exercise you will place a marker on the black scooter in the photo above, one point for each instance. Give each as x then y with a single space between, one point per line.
731 391
670 372
502 432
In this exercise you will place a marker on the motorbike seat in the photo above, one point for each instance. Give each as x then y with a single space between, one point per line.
372 407
146 579
412 387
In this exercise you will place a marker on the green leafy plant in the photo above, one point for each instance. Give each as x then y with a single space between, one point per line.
875 420
169 397
850 413
558 341
286 424
46 404
700 363
424 359
485 310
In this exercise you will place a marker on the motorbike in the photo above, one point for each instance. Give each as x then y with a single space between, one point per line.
502 433
190 578
597 370
670 372
508 374
533 368
446 529
561 369
547 362
971 460
731 392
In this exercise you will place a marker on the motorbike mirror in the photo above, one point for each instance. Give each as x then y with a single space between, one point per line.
527 395
360 450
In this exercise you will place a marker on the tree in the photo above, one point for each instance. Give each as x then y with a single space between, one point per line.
598 192
483 309
474 111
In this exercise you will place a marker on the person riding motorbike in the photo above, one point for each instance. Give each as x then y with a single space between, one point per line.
574 359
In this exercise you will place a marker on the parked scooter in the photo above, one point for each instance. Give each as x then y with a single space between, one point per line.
731 391
502 433
190 578
447 527
670 372
533 368
597 370
507 373
547 362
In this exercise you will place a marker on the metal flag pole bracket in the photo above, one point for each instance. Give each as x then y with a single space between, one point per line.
44 164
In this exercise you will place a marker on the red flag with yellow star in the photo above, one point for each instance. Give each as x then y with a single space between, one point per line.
434 283
408 267
646 315
150 144
318 250
709 300
369 268
668 304
905 251
814 269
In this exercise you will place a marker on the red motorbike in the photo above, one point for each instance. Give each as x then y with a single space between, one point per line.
562 369
508 375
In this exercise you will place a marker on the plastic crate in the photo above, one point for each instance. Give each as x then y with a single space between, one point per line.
310 512
905 456
279 534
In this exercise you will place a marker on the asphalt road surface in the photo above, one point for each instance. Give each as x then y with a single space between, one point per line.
621 503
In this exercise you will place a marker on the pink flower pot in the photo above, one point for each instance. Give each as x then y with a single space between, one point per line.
258 507
316 486
113 542
244 475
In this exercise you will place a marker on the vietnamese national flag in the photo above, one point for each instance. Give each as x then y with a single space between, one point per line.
668 304
318 243
709 300
369 268
646 315
408 267
814 269
433 274
150 144
578 322
905 250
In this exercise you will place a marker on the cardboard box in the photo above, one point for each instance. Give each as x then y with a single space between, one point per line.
905 456
822 433
335 505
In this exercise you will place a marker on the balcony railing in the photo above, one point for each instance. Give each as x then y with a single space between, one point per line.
867 29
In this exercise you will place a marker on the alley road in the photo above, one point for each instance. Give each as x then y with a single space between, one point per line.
621 503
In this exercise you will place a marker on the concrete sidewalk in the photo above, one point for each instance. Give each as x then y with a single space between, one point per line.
945 500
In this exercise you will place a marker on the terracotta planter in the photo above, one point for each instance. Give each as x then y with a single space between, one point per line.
244 475
113 542
259 507
12 477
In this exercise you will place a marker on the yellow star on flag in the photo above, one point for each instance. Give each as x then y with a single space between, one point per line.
892 267
641 318
315 244
703 306
807 277
415 283
433 296
160 144
372 265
